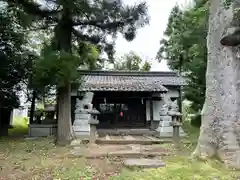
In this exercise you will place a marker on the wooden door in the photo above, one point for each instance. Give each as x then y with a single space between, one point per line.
136 116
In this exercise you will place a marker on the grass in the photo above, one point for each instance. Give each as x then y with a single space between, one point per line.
41 160
38 160
20 126
182 167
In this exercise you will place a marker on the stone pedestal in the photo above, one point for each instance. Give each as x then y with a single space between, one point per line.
81 127
42 130
165 129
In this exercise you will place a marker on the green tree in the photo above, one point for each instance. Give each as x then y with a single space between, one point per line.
146 66
14 63
77 26
185 48
131 61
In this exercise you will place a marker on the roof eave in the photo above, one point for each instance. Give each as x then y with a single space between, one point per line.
129 73
114 90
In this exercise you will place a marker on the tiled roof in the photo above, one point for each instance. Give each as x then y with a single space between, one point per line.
129 81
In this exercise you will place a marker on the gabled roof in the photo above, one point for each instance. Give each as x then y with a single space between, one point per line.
129 81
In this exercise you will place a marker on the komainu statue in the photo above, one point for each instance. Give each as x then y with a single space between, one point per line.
85 103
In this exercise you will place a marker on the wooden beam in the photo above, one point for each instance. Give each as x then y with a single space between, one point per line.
132 97
180 100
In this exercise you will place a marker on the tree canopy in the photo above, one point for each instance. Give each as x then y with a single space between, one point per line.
79 28
185 48
80 31
131 61
15 59
15 63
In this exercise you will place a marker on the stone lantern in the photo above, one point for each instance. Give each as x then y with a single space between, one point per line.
85 122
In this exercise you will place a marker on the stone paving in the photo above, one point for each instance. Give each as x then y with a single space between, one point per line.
130 139
135 151
144 163
122 151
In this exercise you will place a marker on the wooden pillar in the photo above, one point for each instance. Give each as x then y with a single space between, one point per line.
180 99
151 112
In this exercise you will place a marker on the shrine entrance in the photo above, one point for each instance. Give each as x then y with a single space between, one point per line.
120 109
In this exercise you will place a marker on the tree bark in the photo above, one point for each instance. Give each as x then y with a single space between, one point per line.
65 132
63 40
220 132
32 109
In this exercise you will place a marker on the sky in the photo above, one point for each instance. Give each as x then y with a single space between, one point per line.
146 43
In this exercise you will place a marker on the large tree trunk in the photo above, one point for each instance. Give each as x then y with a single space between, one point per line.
220 132
65 132
32 109
63 40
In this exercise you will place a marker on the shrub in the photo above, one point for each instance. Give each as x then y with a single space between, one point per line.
196 120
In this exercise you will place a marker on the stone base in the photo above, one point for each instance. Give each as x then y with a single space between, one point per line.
81 127
81 134
168 131
42 130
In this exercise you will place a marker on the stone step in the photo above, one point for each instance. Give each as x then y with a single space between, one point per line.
144 163
135 154
133 141
103 132
169 135
119 154
151 138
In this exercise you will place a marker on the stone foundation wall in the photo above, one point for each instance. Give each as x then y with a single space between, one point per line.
42 130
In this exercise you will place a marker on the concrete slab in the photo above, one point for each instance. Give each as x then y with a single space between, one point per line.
144 163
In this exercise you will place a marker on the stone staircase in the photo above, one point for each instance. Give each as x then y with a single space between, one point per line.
144 150
131 139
